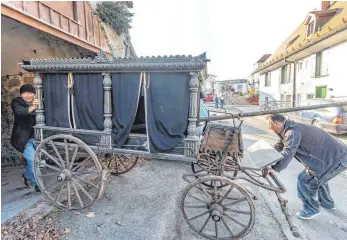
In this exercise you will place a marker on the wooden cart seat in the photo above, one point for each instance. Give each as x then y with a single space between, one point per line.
218 138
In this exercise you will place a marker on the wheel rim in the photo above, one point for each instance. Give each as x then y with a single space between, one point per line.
118 164
73 178
218 213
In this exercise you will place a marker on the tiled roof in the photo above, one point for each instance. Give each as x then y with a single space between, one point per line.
263 58
298 40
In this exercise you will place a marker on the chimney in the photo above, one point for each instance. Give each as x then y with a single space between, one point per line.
325 5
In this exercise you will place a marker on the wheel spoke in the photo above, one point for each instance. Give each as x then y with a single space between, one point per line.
56 161
235 220
205 223
216 228
131 160
202 189
200 215
236 202
237 211
226 194
109 163
215 191
73 157
69 194
61 189
84 172
82 163
195 206
48 174
50 185
226 225
83 190
121 161
66 152
197 198
77 195
117 168
86 181
51 167
57 152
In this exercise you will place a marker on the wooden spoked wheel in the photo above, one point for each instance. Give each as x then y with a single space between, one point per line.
68 172
218 213
208 163
118 164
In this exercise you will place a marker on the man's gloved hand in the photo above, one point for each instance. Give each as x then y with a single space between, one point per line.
266 172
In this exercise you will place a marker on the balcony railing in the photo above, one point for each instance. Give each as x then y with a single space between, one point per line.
89 31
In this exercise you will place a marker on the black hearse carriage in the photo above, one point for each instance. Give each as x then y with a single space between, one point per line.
101 114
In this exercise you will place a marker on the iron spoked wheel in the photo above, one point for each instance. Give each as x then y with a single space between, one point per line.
118 164
218 213
209 164
73 177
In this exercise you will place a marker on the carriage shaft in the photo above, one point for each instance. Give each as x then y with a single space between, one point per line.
260 113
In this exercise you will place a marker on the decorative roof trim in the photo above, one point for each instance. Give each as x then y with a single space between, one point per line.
104 63
322 37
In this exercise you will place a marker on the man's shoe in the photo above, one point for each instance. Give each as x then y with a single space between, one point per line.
26 180
304 214
37 189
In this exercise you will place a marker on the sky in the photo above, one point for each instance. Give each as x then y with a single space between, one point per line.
234 34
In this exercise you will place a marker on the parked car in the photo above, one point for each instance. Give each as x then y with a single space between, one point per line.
333 119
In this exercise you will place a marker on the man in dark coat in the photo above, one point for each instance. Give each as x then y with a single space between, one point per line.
323 156
22 138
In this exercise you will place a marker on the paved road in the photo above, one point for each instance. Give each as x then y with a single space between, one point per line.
145 202
331 224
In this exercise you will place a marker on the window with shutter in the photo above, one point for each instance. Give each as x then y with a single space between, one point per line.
286 74
321 61
313 66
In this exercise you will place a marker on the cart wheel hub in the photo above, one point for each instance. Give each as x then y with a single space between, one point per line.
65 174
217 211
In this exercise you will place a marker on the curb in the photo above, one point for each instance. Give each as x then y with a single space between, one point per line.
38 211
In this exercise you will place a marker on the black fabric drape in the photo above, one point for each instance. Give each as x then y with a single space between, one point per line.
125 98
89 104
167 109
55 95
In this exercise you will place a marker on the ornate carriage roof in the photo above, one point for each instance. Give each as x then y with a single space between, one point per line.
102 62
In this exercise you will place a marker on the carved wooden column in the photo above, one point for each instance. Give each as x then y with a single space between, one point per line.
192 140
107 82
40 117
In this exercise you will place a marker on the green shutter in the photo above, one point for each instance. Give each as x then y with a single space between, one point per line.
321 92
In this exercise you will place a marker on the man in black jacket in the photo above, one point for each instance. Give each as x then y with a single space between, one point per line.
23 138
323 156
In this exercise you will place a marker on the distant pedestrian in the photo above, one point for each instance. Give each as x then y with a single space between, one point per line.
322 155
222 101
23 138
216 101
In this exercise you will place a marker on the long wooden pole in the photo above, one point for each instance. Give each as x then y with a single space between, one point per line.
260 113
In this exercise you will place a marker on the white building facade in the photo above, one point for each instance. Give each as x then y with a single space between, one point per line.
319 75
311 63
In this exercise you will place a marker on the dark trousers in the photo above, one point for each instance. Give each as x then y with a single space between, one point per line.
312 193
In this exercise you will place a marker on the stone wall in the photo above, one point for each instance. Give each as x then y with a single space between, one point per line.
9 89
19 42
